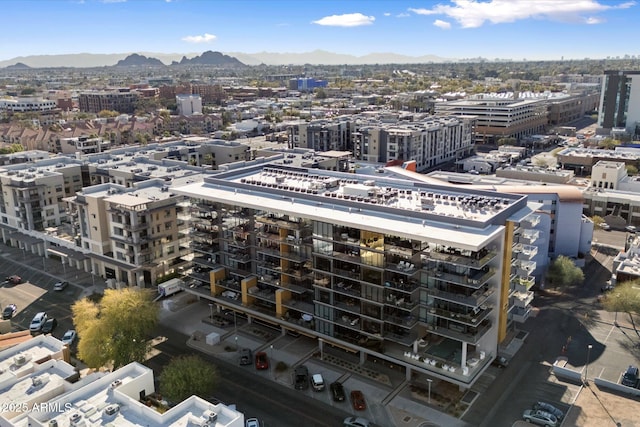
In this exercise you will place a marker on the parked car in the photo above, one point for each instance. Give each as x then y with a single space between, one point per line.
630 376
14 280
261 360
38 322
605 226
9 311
252 422
49 325
317 382
631 228
548 407
69 337
357 400
301 378
540 417
60 286
607 287
337 392
356 422
246 356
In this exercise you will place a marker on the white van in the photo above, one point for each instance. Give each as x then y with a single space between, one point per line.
38 321
317 382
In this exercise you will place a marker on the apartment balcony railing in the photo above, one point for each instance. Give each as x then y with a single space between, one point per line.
404 286
474 280
525 252
460 332
300 306
472 318
477 298
471 259
522 283
280 223
406 321
532 220
522 299
519 314
527 236
527 267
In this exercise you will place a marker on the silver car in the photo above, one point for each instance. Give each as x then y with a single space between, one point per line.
540 417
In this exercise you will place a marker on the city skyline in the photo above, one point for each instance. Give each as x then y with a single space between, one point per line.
452 29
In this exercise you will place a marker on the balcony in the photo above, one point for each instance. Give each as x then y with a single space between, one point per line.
401 285
280 223
522 283
460 332
522 299
472 318
477 298
525 252
526 236
474 280
403 320
532 220
464 258
520 315
524 268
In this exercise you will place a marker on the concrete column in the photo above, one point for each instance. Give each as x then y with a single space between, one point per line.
463 361
408 373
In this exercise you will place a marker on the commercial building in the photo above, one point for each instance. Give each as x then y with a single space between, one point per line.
430 278
620 101
500 115
581 160
27 103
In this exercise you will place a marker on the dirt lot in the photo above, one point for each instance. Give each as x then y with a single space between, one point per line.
597 407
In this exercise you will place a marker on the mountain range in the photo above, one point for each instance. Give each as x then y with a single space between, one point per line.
317 57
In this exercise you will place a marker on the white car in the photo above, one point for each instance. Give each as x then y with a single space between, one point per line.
631 228
540 417
69 337
252 422
38 322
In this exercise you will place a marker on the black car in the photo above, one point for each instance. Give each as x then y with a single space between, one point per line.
337 392
301 378
9 311
49 326
246 357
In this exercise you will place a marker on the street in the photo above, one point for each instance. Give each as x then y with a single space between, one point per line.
253 395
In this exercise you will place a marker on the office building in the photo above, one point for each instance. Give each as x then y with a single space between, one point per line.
188 105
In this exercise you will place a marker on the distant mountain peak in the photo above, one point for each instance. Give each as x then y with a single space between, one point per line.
212 58
136 60
18 66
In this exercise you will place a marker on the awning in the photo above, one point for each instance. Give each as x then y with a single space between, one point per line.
63 252
24 238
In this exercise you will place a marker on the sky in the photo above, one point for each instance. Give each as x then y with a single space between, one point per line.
456 29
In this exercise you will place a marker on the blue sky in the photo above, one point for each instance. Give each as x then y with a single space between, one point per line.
516 29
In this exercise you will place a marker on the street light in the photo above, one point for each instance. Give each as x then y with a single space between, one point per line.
236 343
271 360
429 381
586 368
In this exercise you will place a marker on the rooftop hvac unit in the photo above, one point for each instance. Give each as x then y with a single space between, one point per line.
210 416
53 423
116 383
112 409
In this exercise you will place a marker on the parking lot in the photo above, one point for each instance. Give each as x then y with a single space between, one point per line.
35 294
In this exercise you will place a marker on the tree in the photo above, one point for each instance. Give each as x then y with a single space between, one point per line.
632 170
625 297
563 272
507 141
597 220
116 329
108 113
185 376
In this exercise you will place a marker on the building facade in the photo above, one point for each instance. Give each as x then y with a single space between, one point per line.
620 101
188 105
426 277
121 101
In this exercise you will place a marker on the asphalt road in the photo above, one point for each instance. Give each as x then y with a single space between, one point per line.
272 403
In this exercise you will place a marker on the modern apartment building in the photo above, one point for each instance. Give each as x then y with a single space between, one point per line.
429 278
120 101
429 142
188 105
324 135
620 101
500 115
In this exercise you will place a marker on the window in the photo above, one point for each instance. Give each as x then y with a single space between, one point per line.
167 225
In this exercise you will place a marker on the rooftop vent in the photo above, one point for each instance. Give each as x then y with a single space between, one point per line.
210 416
112 409
116 383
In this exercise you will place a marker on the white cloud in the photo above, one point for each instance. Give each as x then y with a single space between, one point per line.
475 13
593 20
403 15
387 14
205 38
442 24
346 20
